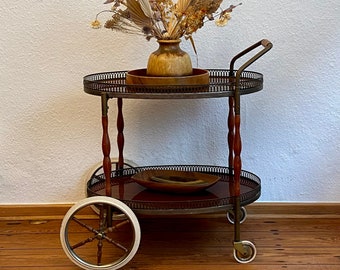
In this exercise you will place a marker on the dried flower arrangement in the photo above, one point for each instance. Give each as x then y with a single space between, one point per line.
164 19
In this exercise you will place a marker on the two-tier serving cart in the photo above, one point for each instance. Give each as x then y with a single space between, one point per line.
111 240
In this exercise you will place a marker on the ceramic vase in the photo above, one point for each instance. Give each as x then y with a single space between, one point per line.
169 60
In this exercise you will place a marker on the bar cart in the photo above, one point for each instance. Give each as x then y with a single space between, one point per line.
111 241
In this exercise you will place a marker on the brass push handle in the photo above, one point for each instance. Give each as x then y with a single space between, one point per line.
264 42
267 46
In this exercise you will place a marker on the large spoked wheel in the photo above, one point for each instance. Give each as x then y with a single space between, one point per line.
244 252
98 242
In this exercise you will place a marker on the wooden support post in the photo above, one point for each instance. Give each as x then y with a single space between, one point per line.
120 136
106 146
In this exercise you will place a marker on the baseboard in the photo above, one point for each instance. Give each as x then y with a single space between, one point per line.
255 210
294 209
33 211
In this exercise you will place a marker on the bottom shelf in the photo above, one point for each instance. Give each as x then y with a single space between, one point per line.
144 201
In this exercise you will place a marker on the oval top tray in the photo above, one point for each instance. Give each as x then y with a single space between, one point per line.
222 83
174 181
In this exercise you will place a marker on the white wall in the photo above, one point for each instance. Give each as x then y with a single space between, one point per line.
50 129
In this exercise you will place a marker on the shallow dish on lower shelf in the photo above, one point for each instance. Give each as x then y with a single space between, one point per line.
175 181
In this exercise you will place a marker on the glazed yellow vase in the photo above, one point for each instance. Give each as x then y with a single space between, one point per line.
169 60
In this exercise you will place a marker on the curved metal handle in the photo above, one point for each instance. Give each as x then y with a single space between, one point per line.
264 42
267 46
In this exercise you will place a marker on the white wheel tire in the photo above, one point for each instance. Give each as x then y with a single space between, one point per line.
110 201
252 255
231 217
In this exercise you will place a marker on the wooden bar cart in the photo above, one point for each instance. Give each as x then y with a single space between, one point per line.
112 240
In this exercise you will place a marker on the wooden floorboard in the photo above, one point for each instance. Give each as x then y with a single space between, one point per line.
186 243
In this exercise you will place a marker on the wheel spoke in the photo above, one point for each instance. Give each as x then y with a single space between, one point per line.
115 243
88 227
111 229
117 226
99 252
88 240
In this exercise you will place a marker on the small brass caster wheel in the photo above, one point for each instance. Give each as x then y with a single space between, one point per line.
244 251
231 216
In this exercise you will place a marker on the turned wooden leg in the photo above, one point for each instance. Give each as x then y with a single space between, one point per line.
120 136
106 146
231 127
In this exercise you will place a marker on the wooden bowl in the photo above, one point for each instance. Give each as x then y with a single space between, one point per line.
139 77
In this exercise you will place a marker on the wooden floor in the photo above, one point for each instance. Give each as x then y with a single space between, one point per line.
186 243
